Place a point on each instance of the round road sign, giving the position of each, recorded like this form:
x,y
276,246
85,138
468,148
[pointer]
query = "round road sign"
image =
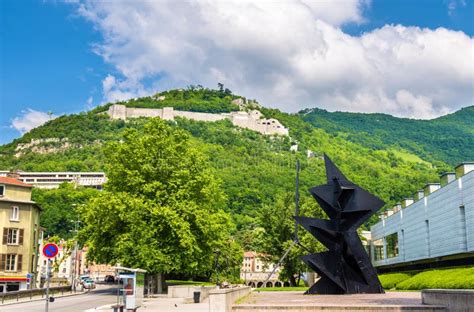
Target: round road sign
x,y
50,250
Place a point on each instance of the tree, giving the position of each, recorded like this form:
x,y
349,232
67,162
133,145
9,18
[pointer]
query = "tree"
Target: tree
x,y
220,86
162,206
278,222
60,208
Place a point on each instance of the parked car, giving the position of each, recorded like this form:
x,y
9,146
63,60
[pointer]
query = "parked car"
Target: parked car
x,y
109,279
84,277
88,283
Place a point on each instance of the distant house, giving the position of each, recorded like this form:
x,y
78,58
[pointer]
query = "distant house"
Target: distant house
x,y
256,270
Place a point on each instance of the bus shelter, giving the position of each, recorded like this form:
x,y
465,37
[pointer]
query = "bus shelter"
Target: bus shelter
x,y
131,287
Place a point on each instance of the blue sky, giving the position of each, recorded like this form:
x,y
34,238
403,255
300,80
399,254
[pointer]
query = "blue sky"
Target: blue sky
x,y
65,58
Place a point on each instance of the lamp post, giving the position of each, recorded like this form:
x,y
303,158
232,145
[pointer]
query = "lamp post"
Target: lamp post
x,y
74,253
217,266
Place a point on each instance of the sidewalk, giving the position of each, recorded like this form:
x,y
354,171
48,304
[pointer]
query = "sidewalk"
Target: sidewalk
x,y
163,304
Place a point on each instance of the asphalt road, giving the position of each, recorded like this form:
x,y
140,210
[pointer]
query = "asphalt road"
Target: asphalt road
x,y
77,303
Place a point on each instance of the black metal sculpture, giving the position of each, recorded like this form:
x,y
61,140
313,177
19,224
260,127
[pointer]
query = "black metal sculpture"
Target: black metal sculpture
x,y
345,268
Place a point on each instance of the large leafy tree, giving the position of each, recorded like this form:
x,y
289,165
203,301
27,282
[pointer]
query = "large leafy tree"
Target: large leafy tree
x,y
162,209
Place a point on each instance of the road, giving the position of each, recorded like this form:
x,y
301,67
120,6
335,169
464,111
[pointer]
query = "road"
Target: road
x,y
77,303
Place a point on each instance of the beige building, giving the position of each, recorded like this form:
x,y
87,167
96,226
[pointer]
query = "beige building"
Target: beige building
x,y
255,271
19,223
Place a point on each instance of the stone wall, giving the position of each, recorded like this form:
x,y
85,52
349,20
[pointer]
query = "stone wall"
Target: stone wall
x,y
221,300
250,120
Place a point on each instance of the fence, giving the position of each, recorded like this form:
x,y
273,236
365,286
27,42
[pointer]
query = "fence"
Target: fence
x,y
30,293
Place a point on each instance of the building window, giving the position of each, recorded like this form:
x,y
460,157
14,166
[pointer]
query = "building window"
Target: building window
x,y
2,190
378,250
392,245
11,263
15,214
12,238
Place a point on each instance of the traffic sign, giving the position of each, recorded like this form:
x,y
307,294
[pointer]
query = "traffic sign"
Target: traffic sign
x,y
50,250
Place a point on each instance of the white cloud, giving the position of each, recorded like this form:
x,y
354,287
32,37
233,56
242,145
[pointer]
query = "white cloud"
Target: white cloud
x,y
115,90
455,4
30,119
288,54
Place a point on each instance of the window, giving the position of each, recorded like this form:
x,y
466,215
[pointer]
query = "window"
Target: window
x,y
392,245
12,238
11,263
378,250
15,214
2,190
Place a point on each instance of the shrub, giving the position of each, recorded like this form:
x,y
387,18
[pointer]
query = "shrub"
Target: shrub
x,y
391,280
460,278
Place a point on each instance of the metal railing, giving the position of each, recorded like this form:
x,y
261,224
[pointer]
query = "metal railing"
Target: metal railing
x,y
30,293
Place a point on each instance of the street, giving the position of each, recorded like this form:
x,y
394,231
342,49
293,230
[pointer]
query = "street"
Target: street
x,y
77,303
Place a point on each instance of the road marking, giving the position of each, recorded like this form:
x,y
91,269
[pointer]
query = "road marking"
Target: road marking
x,y
104,307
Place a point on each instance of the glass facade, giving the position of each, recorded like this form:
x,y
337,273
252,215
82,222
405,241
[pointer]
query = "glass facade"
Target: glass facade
x,y
392,245
378,250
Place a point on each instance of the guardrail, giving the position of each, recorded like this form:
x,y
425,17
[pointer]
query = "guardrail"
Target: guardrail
x,y
30,293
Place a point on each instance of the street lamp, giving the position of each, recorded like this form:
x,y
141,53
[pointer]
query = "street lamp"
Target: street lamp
x,y
74,255
217,266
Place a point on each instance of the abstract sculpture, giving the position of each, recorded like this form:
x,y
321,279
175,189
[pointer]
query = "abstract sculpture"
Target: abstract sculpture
x,y
345,267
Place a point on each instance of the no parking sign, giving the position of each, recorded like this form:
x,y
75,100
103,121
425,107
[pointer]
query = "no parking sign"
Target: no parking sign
x,y
50,250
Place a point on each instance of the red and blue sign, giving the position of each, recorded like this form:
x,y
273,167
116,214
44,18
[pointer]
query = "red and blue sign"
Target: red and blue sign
x,y
50,250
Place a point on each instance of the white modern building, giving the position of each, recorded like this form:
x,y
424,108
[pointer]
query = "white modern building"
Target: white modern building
x,y
50,180
435,228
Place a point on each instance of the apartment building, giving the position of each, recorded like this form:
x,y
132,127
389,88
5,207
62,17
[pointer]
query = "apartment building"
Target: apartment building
x,y
19,224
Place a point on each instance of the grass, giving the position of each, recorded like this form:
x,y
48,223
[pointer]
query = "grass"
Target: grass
x,y
179,283
407,156
456,278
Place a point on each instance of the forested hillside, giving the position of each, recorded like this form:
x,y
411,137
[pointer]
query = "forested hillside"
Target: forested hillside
x,y
256,170
448,138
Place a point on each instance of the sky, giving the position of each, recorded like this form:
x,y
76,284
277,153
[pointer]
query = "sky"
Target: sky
x,y
407,58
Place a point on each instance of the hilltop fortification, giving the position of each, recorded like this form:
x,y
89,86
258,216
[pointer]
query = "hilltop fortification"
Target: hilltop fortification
x,y
252,120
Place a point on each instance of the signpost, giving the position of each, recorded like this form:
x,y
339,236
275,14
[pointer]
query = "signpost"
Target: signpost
x,y
49,251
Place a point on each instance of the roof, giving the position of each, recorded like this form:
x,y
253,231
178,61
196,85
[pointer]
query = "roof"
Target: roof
x,y
465,163
129,269
249,254
13,181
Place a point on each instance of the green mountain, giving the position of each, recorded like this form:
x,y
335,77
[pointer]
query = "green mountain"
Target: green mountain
x,y
448,138
253,168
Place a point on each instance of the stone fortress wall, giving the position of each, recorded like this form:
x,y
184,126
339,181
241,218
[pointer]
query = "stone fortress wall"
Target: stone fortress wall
x,y
250,120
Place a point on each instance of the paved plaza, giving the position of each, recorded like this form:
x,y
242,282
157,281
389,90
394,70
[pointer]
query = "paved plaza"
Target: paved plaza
x,y
288,299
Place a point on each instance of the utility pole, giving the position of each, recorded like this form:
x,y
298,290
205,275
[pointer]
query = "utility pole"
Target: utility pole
x,y
48,277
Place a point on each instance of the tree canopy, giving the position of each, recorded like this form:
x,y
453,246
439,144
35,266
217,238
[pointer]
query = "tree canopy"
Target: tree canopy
x,y
162,209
